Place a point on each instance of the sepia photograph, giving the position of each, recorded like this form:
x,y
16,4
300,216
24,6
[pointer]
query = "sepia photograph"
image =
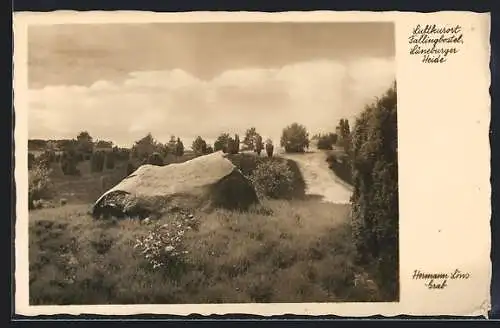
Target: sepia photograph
x,y
212,162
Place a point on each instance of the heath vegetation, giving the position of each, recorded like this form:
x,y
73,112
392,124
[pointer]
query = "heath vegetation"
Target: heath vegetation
x,y
290,247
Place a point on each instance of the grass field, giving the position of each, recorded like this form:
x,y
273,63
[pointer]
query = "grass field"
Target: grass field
x,y
296,250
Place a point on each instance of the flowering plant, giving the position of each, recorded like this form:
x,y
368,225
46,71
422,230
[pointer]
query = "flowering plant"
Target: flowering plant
x,y
163,244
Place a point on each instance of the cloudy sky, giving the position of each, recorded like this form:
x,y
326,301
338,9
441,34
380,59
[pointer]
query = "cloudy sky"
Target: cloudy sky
x,y
120,81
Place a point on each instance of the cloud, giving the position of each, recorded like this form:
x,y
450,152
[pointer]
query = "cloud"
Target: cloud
x,y
316,94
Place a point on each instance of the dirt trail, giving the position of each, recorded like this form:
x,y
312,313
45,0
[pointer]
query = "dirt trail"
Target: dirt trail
x,y
319,179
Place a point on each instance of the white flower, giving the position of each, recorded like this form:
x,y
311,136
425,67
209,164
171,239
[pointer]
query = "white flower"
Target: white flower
x,y
169,248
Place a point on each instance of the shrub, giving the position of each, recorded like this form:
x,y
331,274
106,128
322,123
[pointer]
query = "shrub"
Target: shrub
x,y
273,178
110,161
68,163
179,147
162,245
237,144
233,145
250,139
269,148
97,162
295,138
39,184
222,142
155,159
375,197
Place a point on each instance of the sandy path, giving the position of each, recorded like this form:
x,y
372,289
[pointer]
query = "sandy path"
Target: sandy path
x,y
319,179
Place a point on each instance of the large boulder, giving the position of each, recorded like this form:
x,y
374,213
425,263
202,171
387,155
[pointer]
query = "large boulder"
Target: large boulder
x,y
206,181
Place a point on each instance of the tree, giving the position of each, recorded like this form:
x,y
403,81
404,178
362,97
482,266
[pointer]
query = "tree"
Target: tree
x,y
110,160
346,137
375,206
259,145
250,138
233,145
179,148
130,168
145,147
333,138
155,159
327,141
85,143
269,147
172,144
210,149
199,146
237,143
48,157
222,142
295,138
344,134
31,160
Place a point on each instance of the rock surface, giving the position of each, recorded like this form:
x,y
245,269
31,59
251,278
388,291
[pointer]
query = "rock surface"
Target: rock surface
x,y
210,180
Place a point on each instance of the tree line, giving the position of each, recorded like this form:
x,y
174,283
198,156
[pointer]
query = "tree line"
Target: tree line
x,y
148,150
69,152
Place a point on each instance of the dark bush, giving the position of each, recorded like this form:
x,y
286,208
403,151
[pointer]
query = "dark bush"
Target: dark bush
x,y
68,163
375,197
155,159
110,160
97,161
31,160
326,142
39,184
